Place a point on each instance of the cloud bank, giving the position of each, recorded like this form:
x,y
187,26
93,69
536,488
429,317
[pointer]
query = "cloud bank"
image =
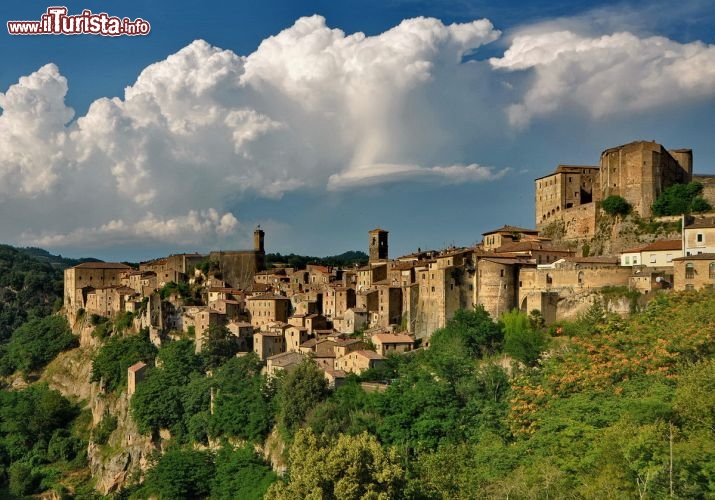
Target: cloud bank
x,y
312,109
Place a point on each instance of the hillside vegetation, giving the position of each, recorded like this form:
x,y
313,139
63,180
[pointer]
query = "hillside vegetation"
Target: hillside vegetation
x,y
602,407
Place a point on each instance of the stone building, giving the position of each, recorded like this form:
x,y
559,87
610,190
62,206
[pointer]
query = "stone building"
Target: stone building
x,y
638,171
80,278
641,170
694,272
567,187
656,254
268,308
699,235
135,374
386,343
492,240
377,245
238,267
358,361
267,344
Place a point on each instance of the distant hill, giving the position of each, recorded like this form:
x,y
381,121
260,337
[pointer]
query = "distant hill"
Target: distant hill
x,y
346,259
31,285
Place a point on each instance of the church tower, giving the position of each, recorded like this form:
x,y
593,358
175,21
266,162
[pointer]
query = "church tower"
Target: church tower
x,y
377,245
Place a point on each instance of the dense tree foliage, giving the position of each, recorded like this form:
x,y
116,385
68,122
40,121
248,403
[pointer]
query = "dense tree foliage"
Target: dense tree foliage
x,y
347,259
243,406
30,288
36,445
35,344
523,339
119,353
299,391
181,475
240,473
616,205
681,199
340,467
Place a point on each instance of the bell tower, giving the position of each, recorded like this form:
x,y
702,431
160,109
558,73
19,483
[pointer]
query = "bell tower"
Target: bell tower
x,y
377,245
258,236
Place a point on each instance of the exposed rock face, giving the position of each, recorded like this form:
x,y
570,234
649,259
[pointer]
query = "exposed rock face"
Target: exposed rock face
x,y
126,451
571,306
126,454
274,451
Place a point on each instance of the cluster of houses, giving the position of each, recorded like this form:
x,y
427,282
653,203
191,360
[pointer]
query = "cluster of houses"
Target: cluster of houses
x,y
349,320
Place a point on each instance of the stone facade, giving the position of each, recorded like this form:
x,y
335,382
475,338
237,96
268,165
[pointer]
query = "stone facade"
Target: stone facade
x,y
699,235
569,186
694,272
641,170
377,245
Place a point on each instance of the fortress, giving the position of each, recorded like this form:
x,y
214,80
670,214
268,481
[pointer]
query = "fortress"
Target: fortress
x,y
638,172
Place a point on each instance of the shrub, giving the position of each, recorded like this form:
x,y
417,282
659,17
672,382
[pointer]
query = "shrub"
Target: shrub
x,y
616,205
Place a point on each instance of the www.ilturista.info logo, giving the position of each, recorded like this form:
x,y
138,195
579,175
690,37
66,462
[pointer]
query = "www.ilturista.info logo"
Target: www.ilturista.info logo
x,y
57,22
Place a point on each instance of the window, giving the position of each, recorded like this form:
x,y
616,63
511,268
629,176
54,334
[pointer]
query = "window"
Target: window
x,y
699,238
628,260
501,273
549,279
635,261
712,270
652,258
689,271
669,257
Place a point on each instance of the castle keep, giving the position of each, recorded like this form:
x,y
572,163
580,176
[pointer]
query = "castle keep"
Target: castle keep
x,y
638,172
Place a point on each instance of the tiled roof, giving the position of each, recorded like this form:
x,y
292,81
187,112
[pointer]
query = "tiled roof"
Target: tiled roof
x,y
393,338
511,229
101,265
700,256
656,246
268,296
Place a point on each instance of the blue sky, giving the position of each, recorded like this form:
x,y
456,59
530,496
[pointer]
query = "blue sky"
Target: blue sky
x,y
323,120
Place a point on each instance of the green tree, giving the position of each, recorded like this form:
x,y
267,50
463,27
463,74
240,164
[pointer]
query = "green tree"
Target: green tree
x,y
521,340
240,473
36,343
119,353
219,345
243,405
299,391
346,468
681,199
616,205
474,329
181,474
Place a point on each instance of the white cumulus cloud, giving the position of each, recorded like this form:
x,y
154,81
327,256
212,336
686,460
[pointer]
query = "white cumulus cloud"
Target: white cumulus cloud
x,y
606,74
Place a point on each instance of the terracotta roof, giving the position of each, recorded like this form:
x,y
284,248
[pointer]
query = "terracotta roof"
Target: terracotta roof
x,y
286,358
519,246
335,373
367,354
701,222
101,265
656,246
700,256
268,296
393,338
137,366
595,260
511,229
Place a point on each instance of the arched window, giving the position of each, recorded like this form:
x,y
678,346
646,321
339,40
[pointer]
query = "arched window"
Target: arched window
x,y
712,270
580,278
689,271
549,279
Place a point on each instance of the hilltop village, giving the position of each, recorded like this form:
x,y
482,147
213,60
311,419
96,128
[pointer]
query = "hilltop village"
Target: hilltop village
x,y
349,320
